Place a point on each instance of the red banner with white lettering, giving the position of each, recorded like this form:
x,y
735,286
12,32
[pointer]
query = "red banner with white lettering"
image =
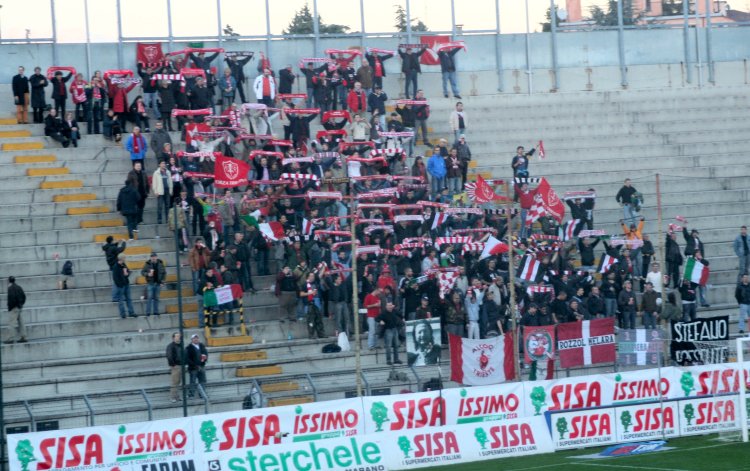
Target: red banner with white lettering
x,y
229,173
586,343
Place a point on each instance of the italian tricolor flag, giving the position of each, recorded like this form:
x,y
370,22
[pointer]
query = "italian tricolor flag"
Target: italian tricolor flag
x,y
222,295
696,271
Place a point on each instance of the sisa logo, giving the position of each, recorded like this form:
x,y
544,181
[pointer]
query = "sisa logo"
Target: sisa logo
x,y
641,389
410,414
576,396
242,432
505,436
429,444
719,382
651,419
590,425
150,442
487,405
715,412
62,452
320,422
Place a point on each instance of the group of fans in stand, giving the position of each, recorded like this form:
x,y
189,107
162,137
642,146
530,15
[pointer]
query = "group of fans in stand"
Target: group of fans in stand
x,y
428,243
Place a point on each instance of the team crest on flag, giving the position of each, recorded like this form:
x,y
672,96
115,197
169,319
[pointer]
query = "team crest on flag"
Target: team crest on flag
x,y
586,343
482,362
231,169
539,343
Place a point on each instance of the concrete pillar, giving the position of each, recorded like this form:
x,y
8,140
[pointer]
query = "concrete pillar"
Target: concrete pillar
x,y
574,10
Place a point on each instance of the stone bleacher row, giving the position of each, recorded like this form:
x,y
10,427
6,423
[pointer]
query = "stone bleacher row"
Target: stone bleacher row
x,y
58,204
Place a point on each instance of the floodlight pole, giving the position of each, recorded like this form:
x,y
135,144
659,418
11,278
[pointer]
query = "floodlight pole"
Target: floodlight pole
x,y
512,280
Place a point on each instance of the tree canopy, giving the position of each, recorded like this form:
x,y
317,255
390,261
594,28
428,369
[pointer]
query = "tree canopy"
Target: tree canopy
x,y
401,21
302,23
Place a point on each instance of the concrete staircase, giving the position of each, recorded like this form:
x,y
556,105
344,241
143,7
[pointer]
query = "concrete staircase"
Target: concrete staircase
x,y
58,204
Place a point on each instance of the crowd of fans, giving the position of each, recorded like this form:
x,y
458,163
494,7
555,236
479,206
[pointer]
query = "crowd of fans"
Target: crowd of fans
x,y
413,219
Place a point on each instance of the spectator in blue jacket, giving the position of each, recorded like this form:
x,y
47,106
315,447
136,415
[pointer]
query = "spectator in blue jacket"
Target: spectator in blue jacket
x,y
136,145
436,169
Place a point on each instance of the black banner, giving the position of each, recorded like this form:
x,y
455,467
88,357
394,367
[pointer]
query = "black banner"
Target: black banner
x,y
702,341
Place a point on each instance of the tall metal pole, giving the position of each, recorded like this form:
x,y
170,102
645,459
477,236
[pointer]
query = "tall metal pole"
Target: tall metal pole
x,y
698,61
54,32
553,30
453,20
179,304
3,441
408,21
88,37
709,55
119,36
355,300
362,26
662,254
512,280
686,41
528,52
220,36
169,23
316,27
621,45
498,49
268,29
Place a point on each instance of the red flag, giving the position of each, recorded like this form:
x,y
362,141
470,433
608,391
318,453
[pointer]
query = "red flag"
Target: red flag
x,y
540,146
586,342
481,192
493,247
149,55
480,362
539,343
229,172
430,57
552,204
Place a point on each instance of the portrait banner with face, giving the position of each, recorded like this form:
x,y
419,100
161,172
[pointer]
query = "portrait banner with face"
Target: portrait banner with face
x,y
423,342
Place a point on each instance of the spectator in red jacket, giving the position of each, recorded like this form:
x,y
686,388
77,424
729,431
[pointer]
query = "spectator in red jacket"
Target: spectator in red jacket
x,y
526,199
357,99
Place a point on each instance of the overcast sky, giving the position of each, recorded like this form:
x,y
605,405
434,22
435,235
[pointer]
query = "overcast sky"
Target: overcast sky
x,y
143,18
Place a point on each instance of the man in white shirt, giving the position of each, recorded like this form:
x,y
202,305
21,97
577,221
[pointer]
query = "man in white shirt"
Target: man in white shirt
x,y
655,278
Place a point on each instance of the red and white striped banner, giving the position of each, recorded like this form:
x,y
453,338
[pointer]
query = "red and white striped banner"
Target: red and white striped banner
x,y
326,195
407,207
408,218
297,160
411,102
291,96
463,211
385,193
375,205
475,230
452,240
591,233
379,227
368,249
299,176
473,247
375,50
410,245
334,233
201,112
396,134
302,111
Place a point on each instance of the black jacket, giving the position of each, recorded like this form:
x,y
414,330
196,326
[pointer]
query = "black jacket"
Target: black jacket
x,y
111,251
391,319
127,200
672,250
625,195
20,86
38,82
408,118
174,354
382,57
286,79
59,90
121,275
690,244
236,66
16,297
447,64
410,62
160,273
52,125
199,98
193,356
742,294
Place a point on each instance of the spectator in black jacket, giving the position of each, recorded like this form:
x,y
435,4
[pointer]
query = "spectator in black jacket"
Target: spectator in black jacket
x,y
391,321
174,360
448,70
692,242
376,61
422,114
586,249
742,295
53,127
112,249
196,356
121,279
595,303
149,90
236,65
20,85
588,205
610,290
59,91
376,101
338,299
38,103
411,68
673,257
199,97
627,303
688,297
625,198
127,204
286,79
16,300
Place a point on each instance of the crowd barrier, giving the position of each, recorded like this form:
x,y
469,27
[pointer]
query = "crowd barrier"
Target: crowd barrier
x,y
411,430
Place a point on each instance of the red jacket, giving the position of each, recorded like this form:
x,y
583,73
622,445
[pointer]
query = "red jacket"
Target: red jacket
x,y
526,199
357,102
120,98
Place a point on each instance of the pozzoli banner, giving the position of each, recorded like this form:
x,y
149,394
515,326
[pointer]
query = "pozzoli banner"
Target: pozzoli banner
x,y
217,438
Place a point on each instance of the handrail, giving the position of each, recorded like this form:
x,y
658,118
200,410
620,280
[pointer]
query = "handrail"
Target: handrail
x,y
92,414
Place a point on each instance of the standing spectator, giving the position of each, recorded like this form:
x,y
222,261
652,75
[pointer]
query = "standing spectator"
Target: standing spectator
x,y
16,300
627,303
458,121
59,93
742,250
673,258
408,121
78,96
70,128
656,279
202,62
265,88
742,295
391,322
338,299
53,127
228,86
359,129
448,70
136,145
161,186
376,61
693,243
595,304
437,171
95,94
356,100
139,114
121,279
376,102
625,198
174,360
168,102
455,315
310,294
473,301
372,304
520,163
199,96
199,257
149,88
38,103
364,76
118,94
159,137
649,307
156,275
310,73
688,297
411,68
140,182
647,252
609,289
635,234
127,204
196,356
20,87
422,114
464,153
286,79
454,169
112,249
286,290
236,65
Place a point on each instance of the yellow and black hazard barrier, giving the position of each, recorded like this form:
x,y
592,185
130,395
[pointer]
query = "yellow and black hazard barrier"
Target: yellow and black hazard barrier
x,y
207,313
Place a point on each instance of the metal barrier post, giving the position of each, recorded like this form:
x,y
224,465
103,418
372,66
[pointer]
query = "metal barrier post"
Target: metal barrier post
x,y
367,384
31,415
243,329
262,396
408,22
529,80
268,29
312,386
148,405
416,375
92,414
203,394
